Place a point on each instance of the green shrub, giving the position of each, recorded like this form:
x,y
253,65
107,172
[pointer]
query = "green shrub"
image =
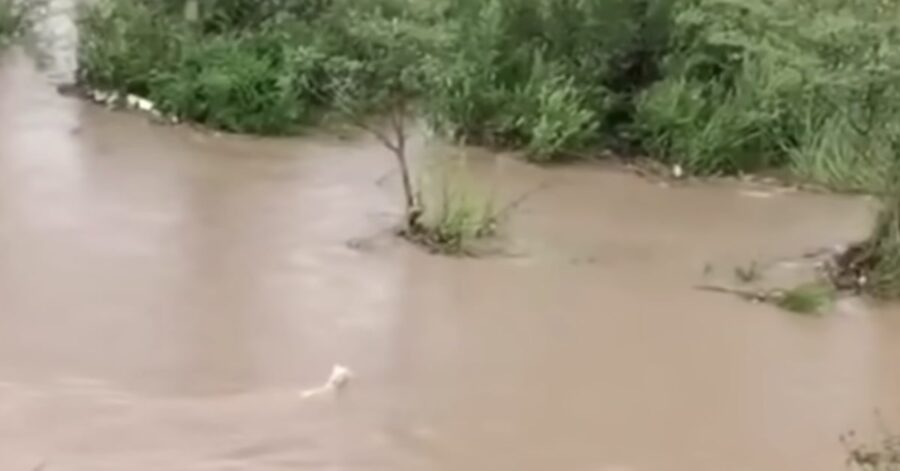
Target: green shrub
x,y
375,59
239,84
284,64
763,83
125,44
12,20
542,74
718,86
228,16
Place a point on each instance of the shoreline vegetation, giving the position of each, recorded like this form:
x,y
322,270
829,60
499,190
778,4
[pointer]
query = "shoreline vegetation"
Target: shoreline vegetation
x,y
13,21
808,89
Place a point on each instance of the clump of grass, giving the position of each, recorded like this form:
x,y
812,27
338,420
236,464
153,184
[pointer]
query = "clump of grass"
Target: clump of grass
x,y
834,154
873,265
808,298
458,216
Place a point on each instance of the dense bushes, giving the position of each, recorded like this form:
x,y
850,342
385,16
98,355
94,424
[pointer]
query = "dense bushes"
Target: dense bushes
x,y
538,74
127,44
520,74
811,85
718,86
267,76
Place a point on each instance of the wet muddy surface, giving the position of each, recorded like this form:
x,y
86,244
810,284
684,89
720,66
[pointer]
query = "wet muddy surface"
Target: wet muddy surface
x,y
166,293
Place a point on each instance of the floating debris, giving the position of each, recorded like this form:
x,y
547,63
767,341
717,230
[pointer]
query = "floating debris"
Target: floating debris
x,y
138,103
808,298
756,194
340,377
103,97
112,99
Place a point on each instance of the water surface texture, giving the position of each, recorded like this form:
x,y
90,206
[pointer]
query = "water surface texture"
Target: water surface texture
x,y
165,294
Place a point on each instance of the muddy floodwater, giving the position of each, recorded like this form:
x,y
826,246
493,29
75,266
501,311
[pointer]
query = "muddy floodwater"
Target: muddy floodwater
x,y
166,293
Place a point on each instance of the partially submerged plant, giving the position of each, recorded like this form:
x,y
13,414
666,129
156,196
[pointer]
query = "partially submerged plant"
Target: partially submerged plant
x,y
807,298
873,265
457,213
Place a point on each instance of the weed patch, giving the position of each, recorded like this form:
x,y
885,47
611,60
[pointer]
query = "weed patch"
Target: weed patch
x,y
458,215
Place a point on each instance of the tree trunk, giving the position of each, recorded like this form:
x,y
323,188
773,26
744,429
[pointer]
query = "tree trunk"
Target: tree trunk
x,y
413,211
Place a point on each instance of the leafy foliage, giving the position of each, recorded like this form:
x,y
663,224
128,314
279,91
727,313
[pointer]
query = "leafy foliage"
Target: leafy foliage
x,y
809,84
13,18
125,44
541,74
718,86
236,83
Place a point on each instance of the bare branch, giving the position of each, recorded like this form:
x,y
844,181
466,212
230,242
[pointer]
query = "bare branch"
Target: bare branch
x,y
521,199
379,134
398,116
382,179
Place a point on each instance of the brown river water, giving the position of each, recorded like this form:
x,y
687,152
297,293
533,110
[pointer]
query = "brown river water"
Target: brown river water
x,y
166,293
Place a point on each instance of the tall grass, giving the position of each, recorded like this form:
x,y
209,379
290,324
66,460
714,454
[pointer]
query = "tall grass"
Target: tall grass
x,y
459,213
546,75
811,85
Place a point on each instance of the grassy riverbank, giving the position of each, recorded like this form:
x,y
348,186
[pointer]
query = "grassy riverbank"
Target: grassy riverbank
x,y
810,88
716,86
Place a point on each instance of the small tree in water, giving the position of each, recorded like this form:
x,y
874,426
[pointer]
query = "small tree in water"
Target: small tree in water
x,y
385,82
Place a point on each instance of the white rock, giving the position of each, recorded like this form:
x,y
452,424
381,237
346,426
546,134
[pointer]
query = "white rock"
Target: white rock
x,y
677,171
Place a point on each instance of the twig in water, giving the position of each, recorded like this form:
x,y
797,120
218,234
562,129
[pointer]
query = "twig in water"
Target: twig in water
x,y
380,181
759,296
520,200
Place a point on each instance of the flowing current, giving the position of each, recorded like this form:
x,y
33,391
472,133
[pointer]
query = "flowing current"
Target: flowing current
x,y
166,293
